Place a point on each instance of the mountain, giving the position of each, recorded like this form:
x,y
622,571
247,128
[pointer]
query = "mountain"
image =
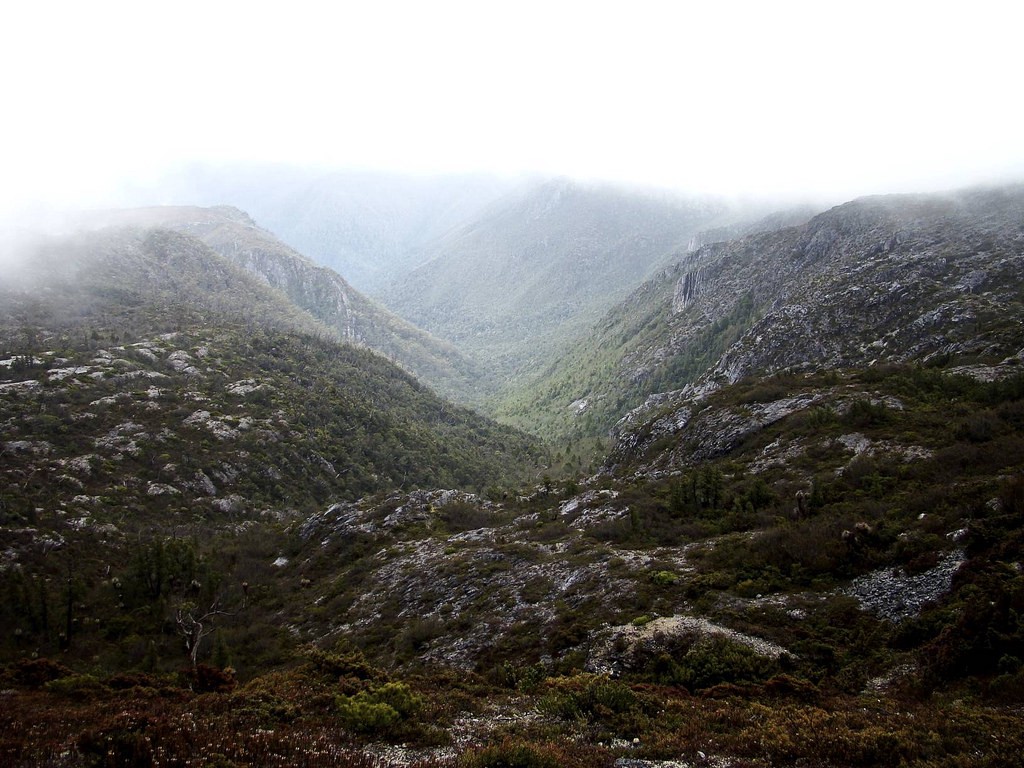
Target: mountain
x,y
369,227
127,282
933,279
317,290
142,359
229,539
535,270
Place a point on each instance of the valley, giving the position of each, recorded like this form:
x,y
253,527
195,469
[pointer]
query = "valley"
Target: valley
x,y
737,488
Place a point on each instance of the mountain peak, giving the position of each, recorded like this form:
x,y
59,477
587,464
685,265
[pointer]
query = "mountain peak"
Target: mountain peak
x,y
232,213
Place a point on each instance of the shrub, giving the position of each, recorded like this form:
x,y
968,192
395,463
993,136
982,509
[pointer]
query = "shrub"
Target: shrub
x,y
1009,686
865,413
34,673
459,516
340,664
418,634
789,687
399,697
1011,496
978,428
793,734
590,697
522,678
711,661
664,578
513,753
361,714
127,680
378,709
765,392
206,679
81,687
123,744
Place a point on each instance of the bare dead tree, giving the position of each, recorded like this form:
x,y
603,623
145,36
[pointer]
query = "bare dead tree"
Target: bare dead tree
x,y
195,624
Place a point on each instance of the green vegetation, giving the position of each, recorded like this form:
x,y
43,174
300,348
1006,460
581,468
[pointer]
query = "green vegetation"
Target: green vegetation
x,y
938,454
597,369
286,719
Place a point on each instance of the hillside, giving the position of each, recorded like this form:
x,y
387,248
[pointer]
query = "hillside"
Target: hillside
x,y
824,586
111,337
737,517
534,271
125,282
902,278
319,291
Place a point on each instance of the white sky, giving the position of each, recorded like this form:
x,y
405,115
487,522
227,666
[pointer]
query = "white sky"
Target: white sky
x,y
818,98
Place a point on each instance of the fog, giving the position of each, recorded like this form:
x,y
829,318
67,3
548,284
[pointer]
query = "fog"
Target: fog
x,y
105,100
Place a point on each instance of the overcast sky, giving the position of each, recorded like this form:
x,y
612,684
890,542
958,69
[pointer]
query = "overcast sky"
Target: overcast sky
x,y
822,98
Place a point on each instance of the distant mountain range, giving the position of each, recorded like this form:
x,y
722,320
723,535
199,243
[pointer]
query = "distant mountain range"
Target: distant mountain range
x,y
558,306
507,270
536,270
928,278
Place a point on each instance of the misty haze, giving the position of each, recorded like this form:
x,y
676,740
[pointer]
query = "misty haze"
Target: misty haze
x,y
545,385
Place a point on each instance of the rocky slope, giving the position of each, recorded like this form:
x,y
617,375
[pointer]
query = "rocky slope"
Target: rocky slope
x,y
829,545
934,279
234,420
145,342
929,278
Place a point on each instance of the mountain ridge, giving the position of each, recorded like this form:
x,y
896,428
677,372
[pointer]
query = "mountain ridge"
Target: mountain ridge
x,y
315,289
366,226
841,290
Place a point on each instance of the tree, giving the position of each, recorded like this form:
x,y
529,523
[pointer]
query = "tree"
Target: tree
x,y
194,624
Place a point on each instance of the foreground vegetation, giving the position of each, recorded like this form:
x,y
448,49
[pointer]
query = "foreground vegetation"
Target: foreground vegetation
x,y
332,709
356,637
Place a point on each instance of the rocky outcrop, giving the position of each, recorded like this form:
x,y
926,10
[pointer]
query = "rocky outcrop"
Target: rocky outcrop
x,y
688,288
485,579
711,433
617,647
895,595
